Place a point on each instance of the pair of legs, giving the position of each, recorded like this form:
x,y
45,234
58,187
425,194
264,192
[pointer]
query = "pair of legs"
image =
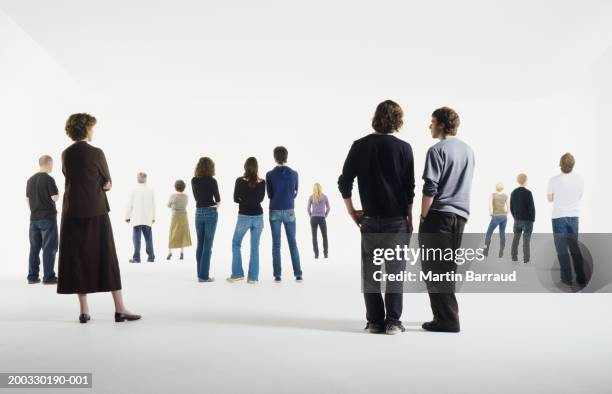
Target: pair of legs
x,y
244,224
375,234
441,230
522,228
206,225
315,223
117,299
285,217
565,233
137,234
501,221
43,235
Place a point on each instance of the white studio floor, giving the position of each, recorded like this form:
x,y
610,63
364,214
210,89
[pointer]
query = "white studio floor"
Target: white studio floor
x,y
302,338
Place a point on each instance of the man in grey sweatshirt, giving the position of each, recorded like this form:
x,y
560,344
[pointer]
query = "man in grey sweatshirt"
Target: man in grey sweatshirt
x,y
445,208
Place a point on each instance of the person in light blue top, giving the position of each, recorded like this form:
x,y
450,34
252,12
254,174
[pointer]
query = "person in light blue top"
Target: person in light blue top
x,y
282,187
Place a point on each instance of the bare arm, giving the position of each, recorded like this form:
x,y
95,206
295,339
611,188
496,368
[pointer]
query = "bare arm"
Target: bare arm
x,y
550,197
425,205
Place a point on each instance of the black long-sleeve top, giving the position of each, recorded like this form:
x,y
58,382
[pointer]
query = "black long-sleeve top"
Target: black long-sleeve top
x,y
521,205
384,167
249,198
205,191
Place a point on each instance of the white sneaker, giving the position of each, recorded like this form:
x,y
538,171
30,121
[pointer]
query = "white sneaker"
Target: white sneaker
x,y
234,280
252,282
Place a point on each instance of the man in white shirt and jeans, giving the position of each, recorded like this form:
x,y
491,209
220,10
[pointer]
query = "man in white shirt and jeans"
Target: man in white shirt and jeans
x,y
141,214
565,192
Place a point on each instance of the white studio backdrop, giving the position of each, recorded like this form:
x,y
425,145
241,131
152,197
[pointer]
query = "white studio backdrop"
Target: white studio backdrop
x,y
170,82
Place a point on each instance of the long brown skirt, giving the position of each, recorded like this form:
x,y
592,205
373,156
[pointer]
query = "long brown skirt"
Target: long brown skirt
x,y
179,231
87,256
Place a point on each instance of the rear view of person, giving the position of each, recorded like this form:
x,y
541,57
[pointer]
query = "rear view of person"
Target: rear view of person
x,y
249,192
384,167
523,212
141,215
318,209
282,185
498,210
180,237
41,194
206,193
565,192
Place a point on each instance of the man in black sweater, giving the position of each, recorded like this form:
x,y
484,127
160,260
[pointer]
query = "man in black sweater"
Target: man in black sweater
x,y
384,167
523,212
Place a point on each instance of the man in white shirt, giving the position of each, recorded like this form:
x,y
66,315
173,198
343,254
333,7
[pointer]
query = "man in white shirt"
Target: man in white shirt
x,y
141,215
565,192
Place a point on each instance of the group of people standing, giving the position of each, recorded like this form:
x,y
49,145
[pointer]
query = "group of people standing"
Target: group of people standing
x,y
384,168
88,260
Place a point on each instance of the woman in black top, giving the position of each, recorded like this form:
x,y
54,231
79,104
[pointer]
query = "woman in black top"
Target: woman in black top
x,y
249,192
87,257
206,193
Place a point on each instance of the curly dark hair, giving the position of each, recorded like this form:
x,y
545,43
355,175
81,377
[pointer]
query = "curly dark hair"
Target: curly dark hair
x,y
179,186
205,167
77,125
448,118
388,117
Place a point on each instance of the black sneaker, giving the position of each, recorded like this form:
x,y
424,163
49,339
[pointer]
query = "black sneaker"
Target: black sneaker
x,y
33,281
299,279
277,279
437,327
50,281
374,328
134,261
394,328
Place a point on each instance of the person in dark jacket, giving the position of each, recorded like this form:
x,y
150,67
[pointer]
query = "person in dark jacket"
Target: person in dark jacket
x,y
282,185
87,256
384,167
523,212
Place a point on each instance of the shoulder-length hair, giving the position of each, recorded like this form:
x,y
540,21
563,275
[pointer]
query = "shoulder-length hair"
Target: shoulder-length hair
x,y
205,167
317,192
251,171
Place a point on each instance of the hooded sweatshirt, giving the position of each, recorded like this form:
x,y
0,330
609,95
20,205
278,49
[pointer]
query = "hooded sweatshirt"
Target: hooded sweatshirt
x,y
282,185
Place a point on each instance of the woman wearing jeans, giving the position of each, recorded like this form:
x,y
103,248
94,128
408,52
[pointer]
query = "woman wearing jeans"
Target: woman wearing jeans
x,y
206,194
318,209
498,209
249,192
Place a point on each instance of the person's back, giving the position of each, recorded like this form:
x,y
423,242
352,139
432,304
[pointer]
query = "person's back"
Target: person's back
x,y
384,167
86,171
143,206
567,189
499,204
40,187
448,176
282,183
521,204
178,202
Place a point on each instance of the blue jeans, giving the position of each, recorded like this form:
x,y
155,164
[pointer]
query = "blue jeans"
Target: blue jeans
x,y
148,236
565,234
501,221
43,235
244,224
287,218
206,225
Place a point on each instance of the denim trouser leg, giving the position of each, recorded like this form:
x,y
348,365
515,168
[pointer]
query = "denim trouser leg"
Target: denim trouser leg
x,y
275,227
49,247
208,220
136,239
148,236
561,235
314,224
256,230
199,225
242,226
35,246
290,231
490,229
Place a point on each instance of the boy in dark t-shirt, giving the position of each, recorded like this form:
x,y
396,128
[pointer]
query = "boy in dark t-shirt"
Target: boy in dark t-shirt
x,y
41,194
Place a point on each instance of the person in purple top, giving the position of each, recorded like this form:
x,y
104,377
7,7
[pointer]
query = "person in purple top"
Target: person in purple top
x,y
318,209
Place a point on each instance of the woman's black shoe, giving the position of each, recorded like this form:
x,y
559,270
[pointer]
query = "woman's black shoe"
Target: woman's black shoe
x,y
181,258
169,256
84,318
119,317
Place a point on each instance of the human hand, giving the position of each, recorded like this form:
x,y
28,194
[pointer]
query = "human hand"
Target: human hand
x,y
127,220
357,216
107,186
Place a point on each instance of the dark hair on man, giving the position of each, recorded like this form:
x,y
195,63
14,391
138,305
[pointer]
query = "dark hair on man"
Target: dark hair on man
x,y
388,117
280,154
77,125
44,160
205,167
448,118
567,163
179,186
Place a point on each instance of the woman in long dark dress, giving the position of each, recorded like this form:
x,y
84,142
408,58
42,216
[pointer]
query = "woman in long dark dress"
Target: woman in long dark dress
x,y
87,257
